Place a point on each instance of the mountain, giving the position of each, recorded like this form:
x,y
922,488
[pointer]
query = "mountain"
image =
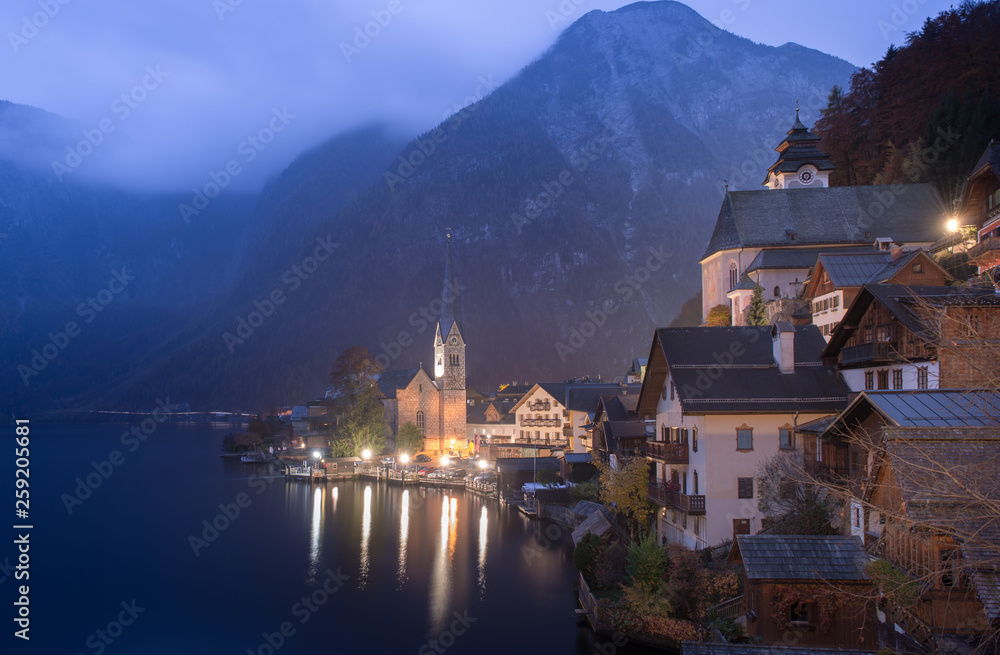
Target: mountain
x,y
580,194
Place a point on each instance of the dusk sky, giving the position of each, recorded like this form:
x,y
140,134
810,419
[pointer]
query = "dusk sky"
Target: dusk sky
x,y
216,72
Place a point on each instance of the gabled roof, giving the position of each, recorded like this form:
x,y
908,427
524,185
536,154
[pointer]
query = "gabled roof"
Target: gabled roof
x,y
905,304
709,378
391,381
801,557
476,414
827,216
584,397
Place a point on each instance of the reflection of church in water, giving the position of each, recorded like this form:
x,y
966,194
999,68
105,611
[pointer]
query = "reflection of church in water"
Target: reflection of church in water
x,y
436,405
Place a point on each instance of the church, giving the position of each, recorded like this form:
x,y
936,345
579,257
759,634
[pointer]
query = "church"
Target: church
x,y
774,236
436,405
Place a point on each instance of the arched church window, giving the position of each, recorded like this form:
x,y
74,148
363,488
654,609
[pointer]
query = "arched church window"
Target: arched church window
x,y
421,425
732,276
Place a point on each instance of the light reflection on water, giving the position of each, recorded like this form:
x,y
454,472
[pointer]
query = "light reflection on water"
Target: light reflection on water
x,y
366,533
315,534
483,522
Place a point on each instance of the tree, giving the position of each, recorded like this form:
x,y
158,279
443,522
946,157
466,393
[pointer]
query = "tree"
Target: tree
x,y
624,490
719,316
646,563
409,440
354,371
363,427
548,477
757,309
790,503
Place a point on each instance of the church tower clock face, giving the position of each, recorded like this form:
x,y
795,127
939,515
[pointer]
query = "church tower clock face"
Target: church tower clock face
x,y
806,176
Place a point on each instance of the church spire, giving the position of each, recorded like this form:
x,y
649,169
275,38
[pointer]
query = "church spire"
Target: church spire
x,y
449,292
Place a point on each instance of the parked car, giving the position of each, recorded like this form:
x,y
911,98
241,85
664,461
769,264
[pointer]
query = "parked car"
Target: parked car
x,y
424,470
486,478
438,474
423,459
456,473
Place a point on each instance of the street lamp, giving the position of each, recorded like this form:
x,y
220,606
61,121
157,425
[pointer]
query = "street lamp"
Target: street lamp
x,y
404,458
445,461
366,454
315,454
953,225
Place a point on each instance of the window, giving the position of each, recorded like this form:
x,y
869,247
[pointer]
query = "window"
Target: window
x,y
454,359
741,526
671,390
777,292
785,440
883,379
836,302
733,273
683,435
744,439
695,480
745,487
869,380
420,423
918,269
897,378
663,433
798,613
922,377
694,440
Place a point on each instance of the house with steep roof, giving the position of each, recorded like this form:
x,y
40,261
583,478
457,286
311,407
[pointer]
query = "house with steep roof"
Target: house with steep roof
x,y
891,337
724,401
936,491
837,279
617,431
557,413
843,453
981,207
799,211
490,421
806,590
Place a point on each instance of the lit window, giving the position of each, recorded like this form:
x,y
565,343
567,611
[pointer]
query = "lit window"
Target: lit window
x,y
420,423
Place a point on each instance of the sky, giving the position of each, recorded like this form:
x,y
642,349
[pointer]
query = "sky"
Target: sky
x,y
170,91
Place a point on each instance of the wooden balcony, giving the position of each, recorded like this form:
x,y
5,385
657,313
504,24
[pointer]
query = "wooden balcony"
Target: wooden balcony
x,y
668,453
540,422
870,353
986,250
664,497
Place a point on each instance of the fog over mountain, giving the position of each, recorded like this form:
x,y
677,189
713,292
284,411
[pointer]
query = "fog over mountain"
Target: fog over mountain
x,y
580,194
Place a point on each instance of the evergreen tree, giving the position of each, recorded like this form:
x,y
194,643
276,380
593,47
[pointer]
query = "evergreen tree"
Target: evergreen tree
x,y
757,309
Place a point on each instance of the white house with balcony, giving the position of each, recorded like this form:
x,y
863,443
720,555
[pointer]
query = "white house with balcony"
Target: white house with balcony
x,y
725,400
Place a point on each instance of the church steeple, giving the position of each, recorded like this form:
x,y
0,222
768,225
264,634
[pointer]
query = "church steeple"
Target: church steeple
x,y
449,344
800,161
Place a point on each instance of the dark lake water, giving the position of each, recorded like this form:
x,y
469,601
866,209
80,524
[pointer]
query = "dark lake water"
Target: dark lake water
x,y
344,567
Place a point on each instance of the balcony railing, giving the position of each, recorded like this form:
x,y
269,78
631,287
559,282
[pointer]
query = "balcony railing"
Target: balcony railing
x,y
543,406
879,351
668,453
567,431
664,497
541,422
990,245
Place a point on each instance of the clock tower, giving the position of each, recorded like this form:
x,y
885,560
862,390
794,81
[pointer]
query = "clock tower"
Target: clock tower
x,y
449,364
801,164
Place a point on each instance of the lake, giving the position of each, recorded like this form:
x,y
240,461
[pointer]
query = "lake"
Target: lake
x,y
176,550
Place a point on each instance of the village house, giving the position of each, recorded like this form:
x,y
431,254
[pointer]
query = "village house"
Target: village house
x,y
490,421
934,497
837,279
556,414
724,401
981,208
843,454
891,337
617,431
799,216
806,590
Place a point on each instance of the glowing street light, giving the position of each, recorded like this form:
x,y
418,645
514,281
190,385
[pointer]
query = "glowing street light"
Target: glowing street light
x,y
404,458
483,464
366,454
953,225
445,461
315,454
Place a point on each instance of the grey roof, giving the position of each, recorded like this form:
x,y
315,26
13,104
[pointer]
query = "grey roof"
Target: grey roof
x,y
747,283
598,522
792,258
584,397
577,458
751,382
802,557
817,426
935,408
853,270
390,381
510,464
827,215
476,414
708,648
990,157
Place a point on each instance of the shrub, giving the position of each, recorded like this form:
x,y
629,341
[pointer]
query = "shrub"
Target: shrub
x,y
585,556
610,567
647,562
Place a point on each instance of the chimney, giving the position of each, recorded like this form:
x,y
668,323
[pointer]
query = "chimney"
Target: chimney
x,y
783,344
895,252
